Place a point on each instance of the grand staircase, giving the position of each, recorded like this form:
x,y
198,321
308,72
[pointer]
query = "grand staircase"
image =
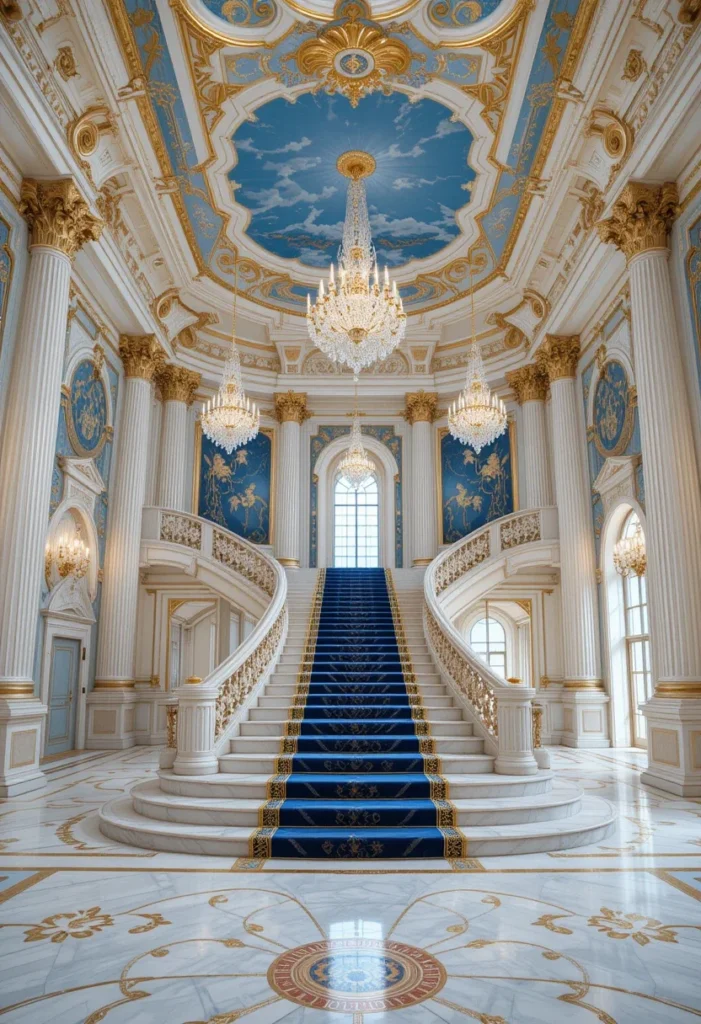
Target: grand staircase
x,y
356,750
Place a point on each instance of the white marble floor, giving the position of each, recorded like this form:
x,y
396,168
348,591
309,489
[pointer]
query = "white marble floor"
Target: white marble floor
x,y
92,931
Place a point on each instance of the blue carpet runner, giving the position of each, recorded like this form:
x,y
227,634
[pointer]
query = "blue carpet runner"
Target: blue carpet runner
x,y
357,775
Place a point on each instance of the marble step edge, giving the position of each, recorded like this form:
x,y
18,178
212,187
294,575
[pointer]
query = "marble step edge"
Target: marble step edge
x,y
271,744
276,727
119,821
457,764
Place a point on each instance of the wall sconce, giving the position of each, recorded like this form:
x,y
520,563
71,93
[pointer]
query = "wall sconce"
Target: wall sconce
x,y
630,556
70,556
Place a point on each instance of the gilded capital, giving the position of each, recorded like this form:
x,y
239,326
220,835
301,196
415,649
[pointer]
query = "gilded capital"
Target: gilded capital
x,y
291,407
141,355
641,218
421,407
177,383
558,356
58,215
529,384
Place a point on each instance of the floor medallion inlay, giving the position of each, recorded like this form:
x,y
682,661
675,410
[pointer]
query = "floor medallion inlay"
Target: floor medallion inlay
x,y
356,975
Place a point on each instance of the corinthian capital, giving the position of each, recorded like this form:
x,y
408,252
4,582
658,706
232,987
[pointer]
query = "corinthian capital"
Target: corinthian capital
x,y
141,355
421,407
58,215
177,383
291,407
529,384
558,356
641,218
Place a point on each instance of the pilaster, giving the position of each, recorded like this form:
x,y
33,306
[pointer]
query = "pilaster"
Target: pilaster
x,y
530,385
291,411
420,411
177,385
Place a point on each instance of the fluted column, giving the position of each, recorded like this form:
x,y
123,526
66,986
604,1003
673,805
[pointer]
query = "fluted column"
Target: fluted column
x,y
291,412
420,412
583,690
142,357
60,224
177,385
530,385
639,226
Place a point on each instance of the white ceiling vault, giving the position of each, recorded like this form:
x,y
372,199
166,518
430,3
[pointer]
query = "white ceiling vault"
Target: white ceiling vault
x,y
207,132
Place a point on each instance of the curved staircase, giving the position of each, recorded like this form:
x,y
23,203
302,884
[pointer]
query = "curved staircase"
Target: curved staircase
x,y
357,749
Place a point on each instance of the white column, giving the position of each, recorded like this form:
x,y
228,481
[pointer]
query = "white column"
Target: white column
x,y
530,385
60,225
639,226
177,386
114,681
515,756
583,695
197,711
291,411
420,411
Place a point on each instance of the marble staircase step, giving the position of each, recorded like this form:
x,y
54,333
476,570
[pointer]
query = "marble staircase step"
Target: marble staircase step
x,y
279,711
252,764
276,727
272,744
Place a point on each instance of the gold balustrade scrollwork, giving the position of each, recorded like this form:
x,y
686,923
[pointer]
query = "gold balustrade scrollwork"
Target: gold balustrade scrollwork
x,y
181,529
520,529
305,670
244,560
537,712
478,692
404,650
172,726
465,557
237,687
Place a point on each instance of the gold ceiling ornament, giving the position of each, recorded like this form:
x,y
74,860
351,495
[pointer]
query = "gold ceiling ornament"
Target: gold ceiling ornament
x,y
421,407
689,11
141,355
641,218
592,201
177,383
529,384
291,407
634,67
355,57
514,336
64,62
11,10
58,215
558,356
617,135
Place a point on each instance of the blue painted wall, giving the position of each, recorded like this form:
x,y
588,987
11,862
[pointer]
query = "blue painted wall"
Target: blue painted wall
x,y
235,490
474,489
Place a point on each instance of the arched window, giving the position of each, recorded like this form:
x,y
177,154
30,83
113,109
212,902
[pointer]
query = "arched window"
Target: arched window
x,y
637,640
356,525
488,639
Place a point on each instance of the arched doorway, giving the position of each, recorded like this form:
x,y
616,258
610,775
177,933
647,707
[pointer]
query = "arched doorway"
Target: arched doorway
x,y
356,525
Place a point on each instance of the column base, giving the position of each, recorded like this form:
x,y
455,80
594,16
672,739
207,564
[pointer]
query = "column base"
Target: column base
x,y
111,717
21,724
674,745
289,563
421,563
585,717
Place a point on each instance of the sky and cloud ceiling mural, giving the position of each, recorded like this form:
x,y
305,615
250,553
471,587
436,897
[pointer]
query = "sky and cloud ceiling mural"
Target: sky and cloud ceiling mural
x,y
287,178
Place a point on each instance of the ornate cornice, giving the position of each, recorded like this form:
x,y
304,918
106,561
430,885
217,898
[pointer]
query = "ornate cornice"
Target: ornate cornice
x,y
557,358
421,407
641,218
291,407
58,215
141,355
529,384
177,383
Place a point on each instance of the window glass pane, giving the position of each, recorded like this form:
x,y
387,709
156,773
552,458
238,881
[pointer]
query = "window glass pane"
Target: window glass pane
x,y
356,525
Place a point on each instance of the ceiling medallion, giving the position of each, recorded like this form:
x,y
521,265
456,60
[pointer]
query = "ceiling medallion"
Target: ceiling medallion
x,y
356,321
353,56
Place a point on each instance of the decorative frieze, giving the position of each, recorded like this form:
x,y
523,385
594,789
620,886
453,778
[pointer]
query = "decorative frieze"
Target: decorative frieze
x,y
177,383
558,356
58,215
141,355
529,384
641,219
291,407
421,407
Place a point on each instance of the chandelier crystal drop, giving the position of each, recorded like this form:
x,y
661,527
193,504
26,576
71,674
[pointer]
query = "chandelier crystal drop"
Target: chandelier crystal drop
x,y
477,417
229,419
357,319
630,555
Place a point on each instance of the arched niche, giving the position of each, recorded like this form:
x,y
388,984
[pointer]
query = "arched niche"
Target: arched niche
x,y
387,473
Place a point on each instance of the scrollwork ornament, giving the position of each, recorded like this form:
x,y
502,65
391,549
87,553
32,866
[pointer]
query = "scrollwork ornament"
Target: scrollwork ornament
x,y
529,384
558,356
523,529
141,355
421,407
180,529
641,218
291,407
470,553
58,215
177,383
689,12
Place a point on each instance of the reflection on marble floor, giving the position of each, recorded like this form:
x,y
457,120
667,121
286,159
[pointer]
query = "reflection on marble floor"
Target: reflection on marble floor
x,y
91,931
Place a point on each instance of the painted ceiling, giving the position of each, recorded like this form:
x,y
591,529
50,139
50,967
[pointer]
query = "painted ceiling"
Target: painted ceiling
x,y
274,197
286,175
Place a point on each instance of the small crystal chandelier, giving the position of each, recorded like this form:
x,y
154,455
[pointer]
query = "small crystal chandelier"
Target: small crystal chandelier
x,y
356,320
355,466
230,419
71,556
477,417
630,556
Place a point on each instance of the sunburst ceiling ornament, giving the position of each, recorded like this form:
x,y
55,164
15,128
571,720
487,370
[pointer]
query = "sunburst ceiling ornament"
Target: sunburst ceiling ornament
x,y
353,56
357,321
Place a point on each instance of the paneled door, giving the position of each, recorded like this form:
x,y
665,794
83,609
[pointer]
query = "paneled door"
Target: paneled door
x,y
63,694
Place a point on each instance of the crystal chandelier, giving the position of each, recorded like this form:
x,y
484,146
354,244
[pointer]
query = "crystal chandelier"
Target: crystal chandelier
x,y
630,556
355,466
356,320
230,419
477,417
71,556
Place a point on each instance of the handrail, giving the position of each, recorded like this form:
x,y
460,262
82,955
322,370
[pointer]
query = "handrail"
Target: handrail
x,y
226,688
493,700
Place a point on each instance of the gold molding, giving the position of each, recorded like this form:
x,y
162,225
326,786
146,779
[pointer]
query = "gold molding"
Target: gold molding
x,y
583,684
677,690
16,691
641,218
114,684
58,215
